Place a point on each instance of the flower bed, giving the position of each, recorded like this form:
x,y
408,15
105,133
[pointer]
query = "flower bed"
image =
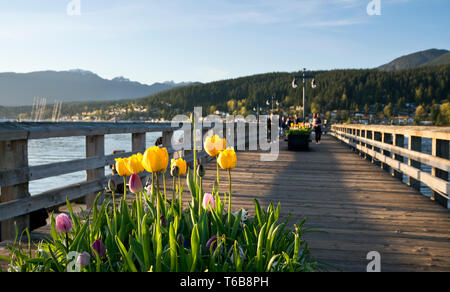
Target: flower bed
x,y
154,233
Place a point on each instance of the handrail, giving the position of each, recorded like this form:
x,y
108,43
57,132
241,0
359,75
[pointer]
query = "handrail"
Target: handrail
x,y
391,152
10,131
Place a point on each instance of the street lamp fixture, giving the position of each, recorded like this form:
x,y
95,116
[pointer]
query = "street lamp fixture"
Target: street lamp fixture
x,y
304,77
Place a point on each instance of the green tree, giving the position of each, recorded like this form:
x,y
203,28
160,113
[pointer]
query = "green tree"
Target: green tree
x,y
388,111
421,113
366,109
231,105
435,112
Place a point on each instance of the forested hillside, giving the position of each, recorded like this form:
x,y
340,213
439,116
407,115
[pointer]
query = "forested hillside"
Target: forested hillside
x,y
337,89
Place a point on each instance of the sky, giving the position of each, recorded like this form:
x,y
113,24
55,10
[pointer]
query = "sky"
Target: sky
x,y
207,40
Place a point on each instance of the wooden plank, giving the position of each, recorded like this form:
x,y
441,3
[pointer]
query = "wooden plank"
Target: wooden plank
x,y
26,130
32,173
53,197
13,131
14,154
418,131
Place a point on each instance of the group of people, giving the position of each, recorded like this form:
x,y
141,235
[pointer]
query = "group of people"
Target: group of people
x,y
286,122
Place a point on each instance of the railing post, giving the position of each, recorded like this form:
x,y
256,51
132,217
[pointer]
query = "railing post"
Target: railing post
x,y
138,142
369,135
386,139
415,143
188,136
364,135
14,154
440,148
399,141
95,147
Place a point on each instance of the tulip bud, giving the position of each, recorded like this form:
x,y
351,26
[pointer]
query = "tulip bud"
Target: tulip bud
x,y
208,200
99,247
112,186
175,171
135,184
212,242
163,221
201,170
83,260
63,223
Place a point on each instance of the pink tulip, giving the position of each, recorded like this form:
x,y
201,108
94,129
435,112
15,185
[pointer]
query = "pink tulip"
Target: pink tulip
x,y
208,199
135,184
99,247
63,223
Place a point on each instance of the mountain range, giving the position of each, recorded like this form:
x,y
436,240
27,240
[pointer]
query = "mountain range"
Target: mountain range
x,y
433,57
17,89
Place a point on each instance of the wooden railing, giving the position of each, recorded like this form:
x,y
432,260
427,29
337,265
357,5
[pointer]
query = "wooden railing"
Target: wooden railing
x,y
16,203
387,145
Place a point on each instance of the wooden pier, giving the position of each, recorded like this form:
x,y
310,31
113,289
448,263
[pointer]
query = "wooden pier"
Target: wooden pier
x,y
348,187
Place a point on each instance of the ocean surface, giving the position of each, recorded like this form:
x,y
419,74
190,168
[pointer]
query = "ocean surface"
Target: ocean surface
x,y
46,151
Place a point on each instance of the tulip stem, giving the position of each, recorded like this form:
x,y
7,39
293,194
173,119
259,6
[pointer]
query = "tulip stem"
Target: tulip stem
x,y
125,188
67,241
165,193
158,209
229,202
153,188
158,226
194,138
114,207
173,192
200,198
180,197
218,173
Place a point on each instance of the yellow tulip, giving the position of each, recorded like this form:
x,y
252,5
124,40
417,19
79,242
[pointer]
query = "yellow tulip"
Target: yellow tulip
x,y
122,167
135,163
214,145
155,159
181,164
227,159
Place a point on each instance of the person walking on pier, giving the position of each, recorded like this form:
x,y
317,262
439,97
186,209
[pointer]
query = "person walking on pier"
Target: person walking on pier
x,y
317,125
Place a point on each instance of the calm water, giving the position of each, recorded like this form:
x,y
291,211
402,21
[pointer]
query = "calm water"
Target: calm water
x,y
53,150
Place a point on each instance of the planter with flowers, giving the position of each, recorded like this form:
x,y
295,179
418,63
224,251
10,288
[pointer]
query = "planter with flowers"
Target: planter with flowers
x,y
155,233
299,137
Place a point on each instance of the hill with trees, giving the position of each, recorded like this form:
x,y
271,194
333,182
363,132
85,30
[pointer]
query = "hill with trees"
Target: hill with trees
x,y
337,90
431,57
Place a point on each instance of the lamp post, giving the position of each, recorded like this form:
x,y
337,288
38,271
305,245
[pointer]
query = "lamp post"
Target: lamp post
x,y
271,102
304,77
